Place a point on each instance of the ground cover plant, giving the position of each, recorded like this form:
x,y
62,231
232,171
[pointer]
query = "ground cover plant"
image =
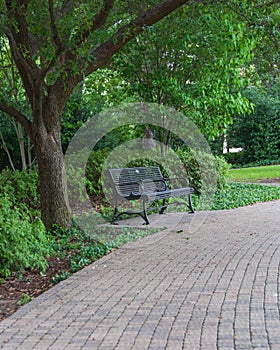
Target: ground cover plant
x,y
239,194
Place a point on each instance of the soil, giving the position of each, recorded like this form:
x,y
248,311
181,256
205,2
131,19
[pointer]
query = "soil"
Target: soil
x,y
14,290
271,181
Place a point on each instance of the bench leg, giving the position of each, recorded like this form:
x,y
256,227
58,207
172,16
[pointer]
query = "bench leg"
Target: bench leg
x,y
190,204
163,207
115,215
145,216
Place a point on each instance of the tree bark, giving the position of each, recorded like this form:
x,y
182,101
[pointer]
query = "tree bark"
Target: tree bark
x,y
20,135
55,207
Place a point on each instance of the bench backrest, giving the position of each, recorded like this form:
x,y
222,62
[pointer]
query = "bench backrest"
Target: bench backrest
x,y
132,182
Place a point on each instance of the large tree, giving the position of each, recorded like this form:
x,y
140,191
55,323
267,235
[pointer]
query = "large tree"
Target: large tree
x,y
54,45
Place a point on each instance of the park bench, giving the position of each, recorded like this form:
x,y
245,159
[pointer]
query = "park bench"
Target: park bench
x,y
148,186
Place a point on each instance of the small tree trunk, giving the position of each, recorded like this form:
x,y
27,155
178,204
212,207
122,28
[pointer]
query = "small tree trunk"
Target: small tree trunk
x,y
7,151
20,134
53,190
29,152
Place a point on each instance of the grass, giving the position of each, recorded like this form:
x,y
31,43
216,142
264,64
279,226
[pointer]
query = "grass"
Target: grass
x,y
255,174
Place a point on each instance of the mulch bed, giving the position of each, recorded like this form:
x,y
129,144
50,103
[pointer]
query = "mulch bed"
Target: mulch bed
x,y
31,283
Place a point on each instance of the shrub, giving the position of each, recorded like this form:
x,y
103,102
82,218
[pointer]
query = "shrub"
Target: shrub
x,y
21,187
94,169
204,168
23,243
235,158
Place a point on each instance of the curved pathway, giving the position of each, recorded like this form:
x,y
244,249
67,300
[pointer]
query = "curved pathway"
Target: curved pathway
x,y
214,288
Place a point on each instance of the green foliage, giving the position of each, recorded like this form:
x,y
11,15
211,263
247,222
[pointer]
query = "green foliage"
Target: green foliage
x,y
79,247
238,195
94,169
196,68
25,298
23,243
257,133
101,90
21,187
13,93
73,117
235,158
202,168
58,277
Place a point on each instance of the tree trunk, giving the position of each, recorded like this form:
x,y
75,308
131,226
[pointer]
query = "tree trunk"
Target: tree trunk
x,y
7,151
20,135
29,152
53,190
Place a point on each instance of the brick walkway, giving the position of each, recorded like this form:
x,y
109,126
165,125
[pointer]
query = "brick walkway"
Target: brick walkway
x,y
215,288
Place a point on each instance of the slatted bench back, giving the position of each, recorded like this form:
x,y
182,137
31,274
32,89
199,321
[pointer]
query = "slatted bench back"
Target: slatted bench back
x,y
132,182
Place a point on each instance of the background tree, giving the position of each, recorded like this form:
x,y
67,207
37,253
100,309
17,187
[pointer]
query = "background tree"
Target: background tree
x,y
262,24
14,142
258,133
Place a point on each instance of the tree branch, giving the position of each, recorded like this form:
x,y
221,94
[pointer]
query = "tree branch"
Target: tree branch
x,y
21,118
125,34
20,43
97,21
102,53
56,38
67,7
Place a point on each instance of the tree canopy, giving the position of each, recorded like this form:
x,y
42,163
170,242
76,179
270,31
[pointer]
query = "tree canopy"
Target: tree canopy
x,y
199,67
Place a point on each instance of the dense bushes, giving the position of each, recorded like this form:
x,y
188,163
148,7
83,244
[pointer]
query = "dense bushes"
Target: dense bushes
x,y
21,187
23,240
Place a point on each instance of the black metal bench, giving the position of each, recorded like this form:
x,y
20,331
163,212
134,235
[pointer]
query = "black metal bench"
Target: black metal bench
x,y
147,185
